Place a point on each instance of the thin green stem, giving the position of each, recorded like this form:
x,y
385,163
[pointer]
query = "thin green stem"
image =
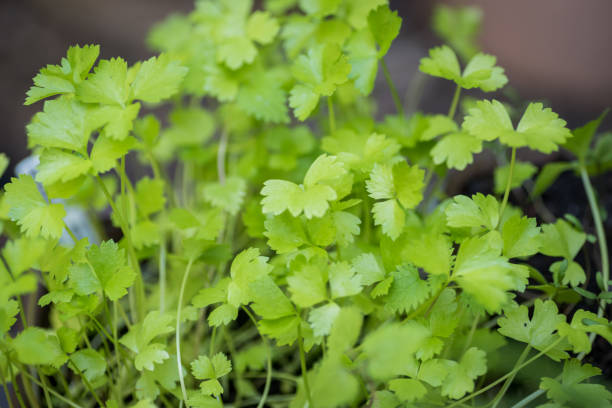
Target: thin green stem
x,y
303,366
601,237
221,156
69,231
5,387
86,382
264,395
331,114
45,387
138,284
508,382
454,103
528,399
213,339
394,94
13,379
162,275
508,183
178,330
55,393
470,336
511,373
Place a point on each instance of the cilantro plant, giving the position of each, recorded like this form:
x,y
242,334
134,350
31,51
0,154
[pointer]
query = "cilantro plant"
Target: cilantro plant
x,y
269,240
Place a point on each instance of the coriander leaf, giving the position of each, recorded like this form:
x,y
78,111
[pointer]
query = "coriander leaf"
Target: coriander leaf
x,y
320,8
584,322
269,301
572,392
483,273
222,315
322,318
308,285
480,212
157,78
358,12
548,175
385,26
561,239
263,97
285,233
59,165
521,236
407,389
117,121
283,330
108,84
407,291
480,72
150,355
62,124
438,125
343,280
539,331
461,376
37,347
247,267
539,128
580,143
347,227
228,196
363,58
106,151
390,216
89,362
262,27
456,150
367,268
317,73
432,252
236,51
205,368
459,27
29,209
401,181
345,329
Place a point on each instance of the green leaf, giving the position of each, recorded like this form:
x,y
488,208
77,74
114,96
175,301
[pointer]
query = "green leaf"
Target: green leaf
x,y
285,233
561,239
539,128
363,58
385,26
150,355
157,78
89,362
269,301
262,27
150,195
343,280
407,389
572,392
108,84
263,97
223,315
539,331
307,285
28,208
458,26
62,124
460,377
456,150
583,136
59,165
345,329
368,269
480,72
401,181
4,162
117,121
390,216
584,322
407,291
228,196
55,79
247,267
484,274
37,347
322,318
317,73
521,237
479,212
283,330
106,151
205,368
432,252
522,172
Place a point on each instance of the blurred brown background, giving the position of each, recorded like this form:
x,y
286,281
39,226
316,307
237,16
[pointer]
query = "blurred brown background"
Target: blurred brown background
x,y
558,51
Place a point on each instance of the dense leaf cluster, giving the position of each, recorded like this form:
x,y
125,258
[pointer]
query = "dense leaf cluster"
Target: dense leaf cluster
x,y
262,260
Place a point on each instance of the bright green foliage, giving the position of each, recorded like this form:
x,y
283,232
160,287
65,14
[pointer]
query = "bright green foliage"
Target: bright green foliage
x,y
539,128
104,269
400,184
571,391
539,331
216,233
480,72
521,172
210,370
35,346
61,79
30,210
312,198
479,212
318,74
